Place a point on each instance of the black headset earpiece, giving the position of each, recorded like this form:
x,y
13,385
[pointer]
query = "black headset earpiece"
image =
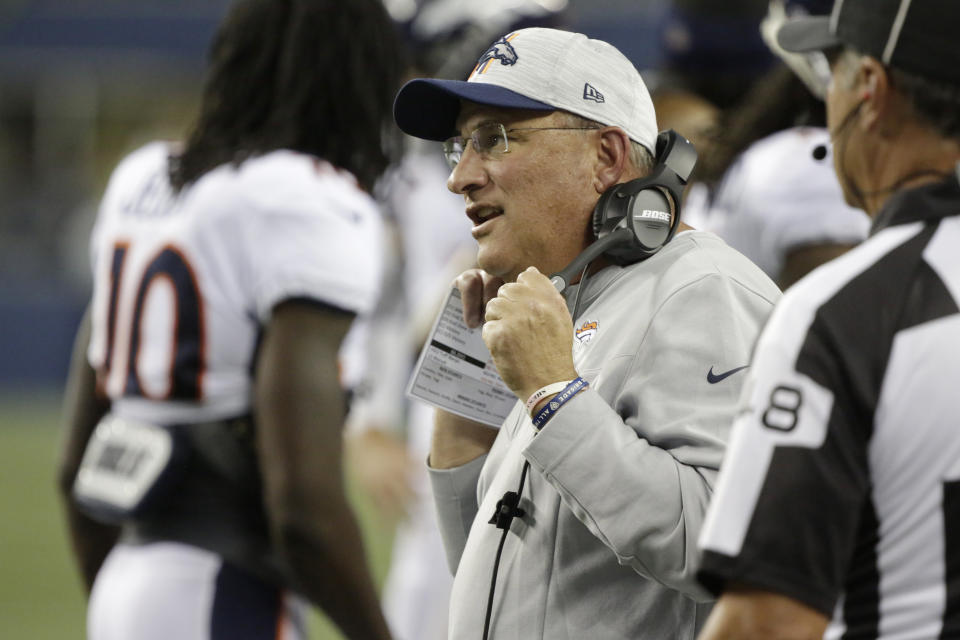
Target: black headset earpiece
x,y
642,208
633,220
648,206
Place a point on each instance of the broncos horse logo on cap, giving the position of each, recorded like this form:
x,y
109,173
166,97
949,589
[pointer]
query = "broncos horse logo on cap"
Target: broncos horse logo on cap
x,y
500,50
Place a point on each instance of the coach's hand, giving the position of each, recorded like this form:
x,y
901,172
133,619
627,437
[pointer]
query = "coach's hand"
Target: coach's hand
x,y
530,334
477,288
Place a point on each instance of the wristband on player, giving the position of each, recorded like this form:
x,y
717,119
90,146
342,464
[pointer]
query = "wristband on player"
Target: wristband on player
x,y
543,392
576,386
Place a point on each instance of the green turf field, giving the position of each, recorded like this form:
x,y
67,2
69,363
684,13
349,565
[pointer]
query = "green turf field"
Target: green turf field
x,y
40,593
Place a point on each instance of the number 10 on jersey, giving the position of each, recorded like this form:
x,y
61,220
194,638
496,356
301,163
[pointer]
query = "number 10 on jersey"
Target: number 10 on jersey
x,y
154,339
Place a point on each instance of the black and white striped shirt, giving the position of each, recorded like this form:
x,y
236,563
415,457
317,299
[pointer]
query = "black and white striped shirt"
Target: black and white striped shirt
x,y
841,485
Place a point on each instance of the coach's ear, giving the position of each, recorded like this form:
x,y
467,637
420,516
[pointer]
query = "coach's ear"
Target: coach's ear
x,y
612,160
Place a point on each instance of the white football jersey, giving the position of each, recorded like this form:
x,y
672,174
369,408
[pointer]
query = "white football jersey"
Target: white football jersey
x,y
185,282
432,245
776,198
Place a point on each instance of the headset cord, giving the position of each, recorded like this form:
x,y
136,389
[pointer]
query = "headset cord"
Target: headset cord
x,y
507,510
508,506
576,297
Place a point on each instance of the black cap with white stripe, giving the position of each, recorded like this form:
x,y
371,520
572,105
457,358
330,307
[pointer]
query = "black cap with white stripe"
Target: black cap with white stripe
x,y
915,36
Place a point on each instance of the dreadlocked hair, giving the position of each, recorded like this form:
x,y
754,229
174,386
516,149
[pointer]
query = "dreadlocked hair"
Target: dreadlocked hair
x,y
313,76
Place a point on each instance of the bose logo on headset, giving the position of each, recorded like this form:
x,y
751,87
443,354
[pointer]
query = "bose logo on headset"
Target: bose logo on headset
x,y
649,214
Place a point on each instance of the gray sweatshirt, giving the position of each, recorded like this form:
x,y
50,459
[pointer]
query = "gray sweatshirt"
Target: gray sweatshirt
x,y
621,476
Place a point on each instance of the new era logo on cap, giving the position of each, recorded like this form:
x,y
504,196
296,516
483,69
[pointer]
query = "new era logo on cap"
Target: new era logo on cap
x,y
590,93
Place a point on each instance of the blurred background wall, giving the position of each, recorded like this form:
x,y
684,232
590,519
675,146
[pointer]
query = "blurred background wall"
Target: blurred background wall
x,y
82,83
85,81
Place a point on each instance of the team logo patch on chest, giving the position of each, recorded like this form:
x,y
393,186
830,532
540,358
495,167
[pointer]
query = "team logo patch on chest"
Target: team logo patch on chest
x,y
586,331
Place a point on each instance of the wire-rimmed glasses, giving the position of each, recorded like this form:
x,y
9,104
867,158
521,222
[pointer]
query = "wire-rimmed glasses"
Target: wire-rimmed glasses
x,y
489,139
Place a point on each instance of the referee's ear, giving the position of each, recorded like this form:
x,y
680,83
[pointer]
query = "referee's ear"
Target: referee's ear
x,y
612,165
883,109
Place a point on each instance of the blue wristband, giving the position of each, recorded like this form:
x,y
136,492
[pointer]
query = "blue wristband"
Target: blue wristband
x,y
572,389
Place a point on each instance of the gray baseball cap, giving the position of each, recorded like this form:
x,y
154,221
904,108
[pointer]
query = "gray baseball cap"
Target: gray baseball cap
x,y
916,36
539,69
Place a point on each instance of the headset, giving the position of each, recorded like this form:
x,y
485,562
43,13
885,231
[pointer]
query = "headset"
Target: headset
x,y
633,220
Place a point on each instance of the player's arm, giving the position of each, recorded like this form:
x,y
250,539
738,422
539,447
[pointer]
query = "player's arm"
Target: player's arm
x,y
744,613
376,449
799,261
299,409
82,410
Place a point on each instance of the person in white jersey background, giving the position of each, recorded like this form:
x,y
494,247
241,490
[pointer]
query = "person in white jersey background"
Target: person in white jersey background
x,y
767,187
596,490
837,512
227,272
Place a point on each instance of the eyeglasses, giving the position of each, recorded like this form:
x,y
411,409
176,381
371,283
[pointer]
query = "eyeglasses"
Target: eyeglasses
x,y
490,139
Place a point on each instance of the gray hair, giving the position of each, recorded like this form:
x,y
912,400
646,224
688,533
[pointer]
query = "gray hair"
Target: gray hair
x,y
640,157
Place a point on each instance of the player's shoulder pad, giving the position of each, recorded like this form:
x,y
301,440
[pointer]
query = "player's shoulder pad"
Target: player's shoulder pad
x,y
143,160
135,168
286,180
777,159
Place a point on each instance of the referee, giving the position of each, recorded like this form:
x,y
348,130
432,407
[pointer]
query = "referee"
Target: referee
x,y
837,512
